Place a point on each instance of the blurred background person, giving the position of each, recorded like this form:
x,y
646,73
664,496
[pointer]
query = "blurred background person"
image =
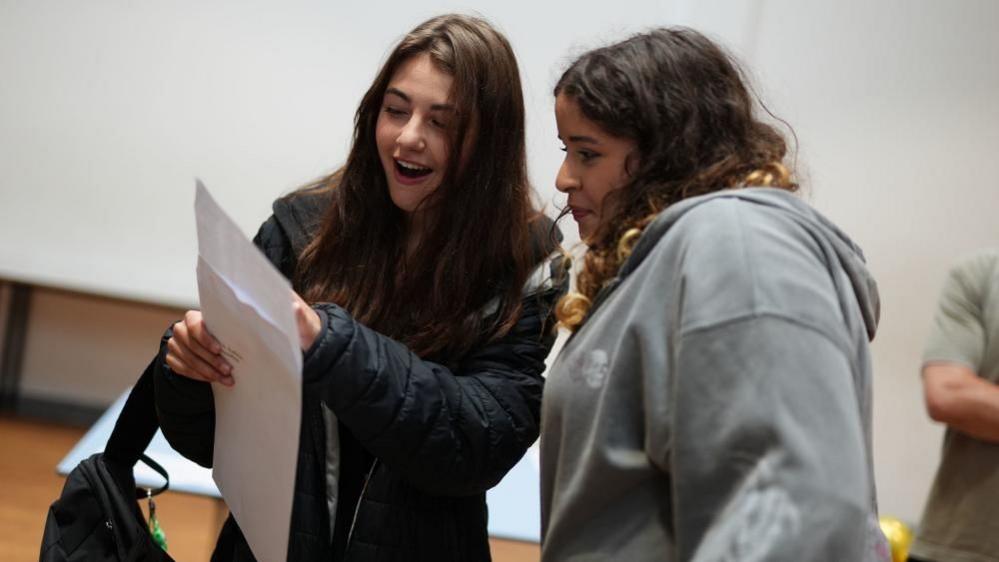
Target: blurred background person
x,y
960,372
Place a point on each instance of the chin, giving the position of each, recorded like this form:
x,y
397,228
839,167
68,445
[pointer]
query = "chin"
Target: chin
x,y
403,203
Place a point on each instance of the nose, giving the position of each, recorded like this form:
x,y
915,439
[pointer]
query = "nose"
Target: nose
x,y
565,181
411,135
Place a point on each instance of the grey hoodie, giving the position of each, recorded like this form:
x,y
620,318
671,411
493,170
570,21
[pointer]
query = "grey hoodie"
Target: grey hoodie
x,y
716,404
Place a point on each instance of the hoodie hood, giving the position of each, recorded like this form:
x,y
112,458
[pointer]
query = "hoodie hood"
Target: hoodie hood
x,y
300,214
849,256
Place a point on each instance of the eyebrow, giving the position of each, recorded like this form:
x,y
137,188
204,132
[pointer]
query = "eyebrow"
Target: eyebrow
x,y
582,138
407,99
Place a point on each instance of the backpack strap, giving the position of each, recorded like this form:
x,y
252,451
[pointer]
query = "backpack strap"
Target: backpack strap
x,y
134,430
141,493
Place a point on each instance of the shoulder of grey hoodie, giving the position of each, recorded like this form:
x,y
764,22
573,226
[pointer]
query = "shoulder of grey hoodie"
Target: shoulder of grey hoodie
x,y
739,259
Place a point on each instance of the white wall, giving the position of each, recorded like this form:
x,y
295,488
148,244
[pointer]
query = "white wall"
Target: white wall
x,y
109,108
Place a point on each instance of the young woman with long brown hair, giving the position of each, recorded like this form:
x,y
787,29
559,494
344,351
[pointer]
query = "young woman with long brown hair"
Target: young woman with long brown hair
x,y
713,402
428,274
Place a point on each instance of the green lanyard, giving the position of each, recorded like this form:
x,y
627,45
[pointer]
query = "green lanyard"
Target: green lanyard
x,y
159,537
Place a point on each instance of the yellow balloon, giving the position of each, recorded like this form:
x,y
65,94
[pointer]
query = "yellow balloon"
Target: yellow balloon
x,y
899,537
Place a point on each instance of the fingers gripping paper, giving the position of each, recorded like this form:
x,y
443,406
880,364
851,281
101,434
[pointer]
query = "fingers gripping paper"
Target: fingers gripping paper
x,y
247,306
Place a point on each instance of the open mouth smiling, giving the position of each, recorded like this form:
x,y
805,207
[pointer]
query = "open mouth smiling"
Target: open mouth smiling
x,y
412,171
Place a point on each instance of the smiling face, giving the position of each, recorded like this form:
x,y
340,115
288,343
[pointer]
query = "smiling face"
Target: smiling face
x,y
412,132
595,164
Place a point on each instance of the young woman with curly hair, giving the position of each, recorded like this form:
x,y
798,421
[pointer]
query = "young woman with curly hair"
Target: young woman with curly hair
x,y
713,401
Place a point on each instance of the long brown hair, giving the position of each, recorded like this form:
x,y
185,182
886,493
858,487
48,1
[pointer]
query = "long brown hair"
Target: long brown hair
x,y
474,253
684,102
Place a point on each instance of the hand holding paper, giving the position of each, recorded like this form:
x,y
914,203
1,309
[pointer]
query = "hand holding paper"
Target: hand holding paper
x,y
192,351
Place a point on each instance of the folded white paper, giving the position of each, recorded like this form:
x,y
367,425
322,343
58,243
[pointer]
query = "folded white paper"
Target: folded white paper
x,y
247,306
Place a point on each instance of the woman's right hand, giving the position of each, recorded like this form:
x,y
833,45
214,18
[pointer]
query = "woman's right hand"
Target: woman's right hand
x,y
194,352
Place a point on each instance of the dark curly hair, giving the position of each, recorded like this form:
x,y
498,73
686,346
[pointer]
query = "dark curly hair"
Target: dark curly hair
x,y
684,102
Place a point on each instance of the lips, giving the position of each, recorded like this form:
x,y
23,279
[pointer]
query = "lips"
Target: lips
x,y
579,214
411,170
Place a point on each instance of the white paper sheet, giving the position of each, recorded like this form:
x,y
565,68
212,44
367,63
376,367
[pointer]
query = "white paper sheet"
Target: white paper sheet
x,y
247,306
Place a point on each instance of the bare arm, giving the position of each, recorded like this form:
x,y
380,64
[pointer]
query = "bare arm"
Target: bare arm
x,y
958,397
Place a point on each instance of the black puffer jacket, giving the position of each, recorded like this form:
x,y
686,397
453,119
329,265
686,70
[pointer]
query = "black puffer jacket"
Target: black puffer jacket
x,y
413,444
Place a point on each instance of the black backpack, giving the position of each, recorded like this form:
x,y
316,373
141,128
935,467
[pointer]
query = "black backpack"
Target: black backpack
x,y
97,516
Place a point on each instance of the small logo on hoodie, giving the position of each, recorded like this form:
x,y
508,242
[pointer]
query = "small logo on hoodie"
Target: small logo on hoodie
x,y
592,368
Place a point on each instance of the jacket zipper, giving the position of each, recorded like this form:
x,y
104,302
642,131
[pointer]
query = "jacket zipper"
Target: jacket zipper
x,y
357,508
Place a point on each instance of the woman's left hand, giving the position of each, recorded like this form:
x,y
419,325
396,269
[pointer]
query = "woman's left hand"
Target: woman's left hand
x,y
307,320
